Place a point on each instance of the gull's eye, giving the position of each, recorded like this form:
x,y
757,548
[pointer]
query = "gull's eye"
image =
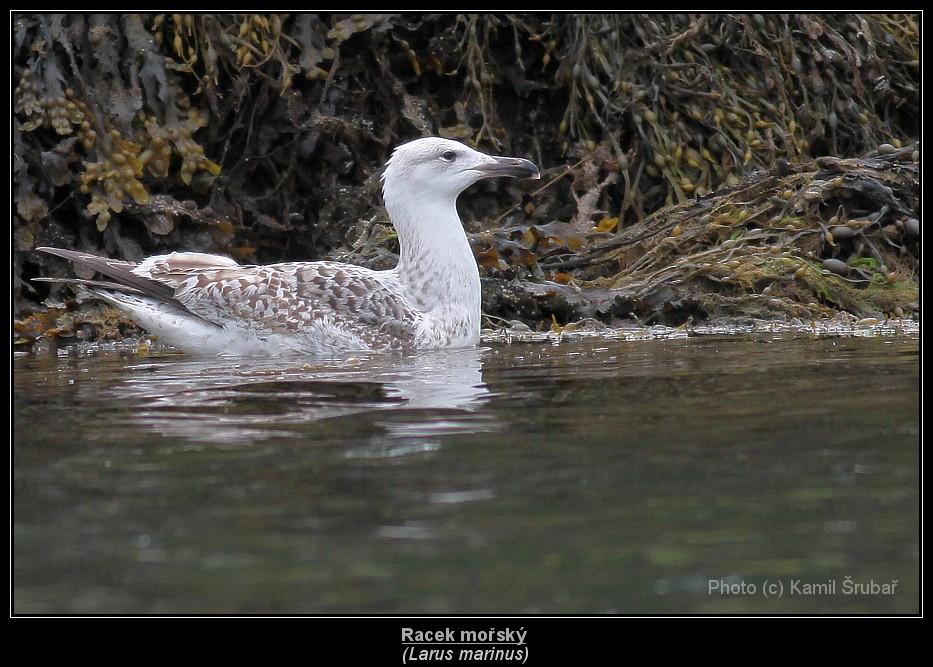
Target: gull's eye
x,y
448,156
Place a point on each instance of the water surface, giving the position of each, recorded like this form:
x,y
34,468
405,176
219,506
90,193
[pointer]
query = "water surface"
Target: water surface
x,y
593,476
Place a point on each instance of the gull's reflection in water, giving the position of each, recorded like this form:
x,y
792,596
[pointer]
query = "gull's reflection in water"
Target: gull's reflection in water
x,y
380,405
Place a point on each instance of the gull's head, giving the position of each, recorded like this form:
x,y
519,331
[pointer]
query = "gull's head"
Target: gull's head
x,y
445,168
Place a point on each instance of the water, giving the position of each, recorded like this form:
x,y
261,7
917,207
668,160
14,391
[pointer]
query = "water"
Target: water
x,y
594,476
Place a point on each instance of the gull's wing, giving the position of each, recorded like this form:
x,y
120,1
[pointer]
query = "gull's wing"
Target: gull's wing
x,y
301,298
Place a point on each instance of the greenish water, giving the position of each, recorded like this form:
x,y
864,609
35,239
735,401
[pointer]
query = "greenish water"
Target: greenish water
x,y
692,475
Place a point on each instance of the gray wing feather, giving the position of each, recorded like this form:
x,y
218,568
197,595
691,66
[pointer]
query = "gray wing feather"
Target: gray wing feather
x,y
119,271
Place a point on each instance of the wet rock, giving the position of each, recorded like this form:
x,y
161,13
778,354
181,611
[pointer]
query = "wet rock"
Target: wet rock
x,y
836,266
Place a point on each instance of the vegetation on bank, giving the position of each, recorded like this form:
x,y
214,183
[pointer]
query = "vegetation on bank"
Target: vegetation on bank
x,y
695,166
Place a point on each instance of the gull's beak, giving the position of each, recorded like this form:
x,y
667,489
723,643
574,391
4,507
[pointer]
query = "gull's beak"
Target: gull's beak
x,y
516,167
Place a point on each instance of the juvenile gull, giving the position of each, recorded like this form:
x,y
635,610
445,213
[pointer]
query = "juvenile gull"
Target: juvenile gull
x,y
209,304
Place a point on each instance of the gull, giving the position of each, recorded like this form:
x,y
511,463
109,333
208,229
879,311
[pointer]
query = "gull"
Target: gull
x,y
208,304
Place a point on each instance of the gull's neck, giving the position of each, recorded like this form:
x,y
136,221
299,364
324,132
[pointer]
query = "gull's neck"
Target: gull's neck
x,y
436,263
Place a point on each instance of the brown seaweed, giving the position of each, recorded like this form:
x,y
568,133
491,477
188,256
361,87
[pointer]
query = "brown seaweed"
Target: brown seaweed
x,y
262,135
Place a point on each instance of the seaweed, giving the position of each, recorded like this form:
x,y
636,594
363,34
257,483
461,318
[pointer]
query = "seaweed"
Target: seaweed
x,y
805,242
262,136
